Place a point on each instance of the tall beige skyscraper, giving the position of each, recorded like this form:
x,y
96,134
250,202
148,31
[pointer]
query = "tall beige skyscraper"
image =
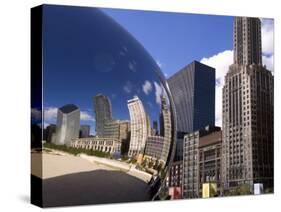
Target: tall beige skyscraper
x,y
247,149
139,126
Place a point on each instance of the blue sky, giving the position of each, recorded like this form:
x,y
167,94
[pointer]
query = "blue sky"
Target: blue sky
x,y
172,39
176,39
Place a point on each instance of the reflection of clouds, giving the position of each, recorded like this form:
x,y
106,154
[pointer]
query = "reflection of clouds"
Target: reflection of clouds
x,y
147,87
132,65
113,96
50,115
150,104
85,116
125,48
128,87
122,53
159,63
158,92
104,62
35,114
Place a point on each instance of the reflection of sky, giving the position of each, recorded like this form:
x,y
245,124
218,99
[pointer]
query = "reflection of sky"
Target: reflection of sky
x,y
176,39
86,53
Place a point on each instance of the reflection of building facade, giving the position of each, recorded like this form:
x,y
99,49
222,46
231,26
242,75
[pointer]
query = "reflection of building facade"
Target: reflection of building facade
x,y
193,92
154,147
247,111
119,129
103,113
111,129
155,130
68,124
192,175
84,131
109,145
139,126
165,128
50,131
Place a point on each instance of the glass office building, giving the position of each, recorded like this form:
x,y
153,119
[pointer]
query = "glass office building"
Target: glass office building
x,y
193,91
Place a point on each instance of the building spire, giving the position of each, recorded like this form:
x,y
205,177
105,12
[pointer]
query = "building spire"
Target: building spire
x,y
247,41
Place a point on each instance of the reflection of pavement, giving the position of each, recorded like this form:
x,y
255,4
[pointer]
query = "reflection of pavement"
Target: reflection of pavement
x,y
70,180
119,165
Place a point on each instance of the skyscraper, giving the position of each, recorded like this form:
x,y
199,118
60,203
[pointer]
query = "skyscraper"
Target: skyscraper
x,y
193,91
247,111
139,126
103,113
68,124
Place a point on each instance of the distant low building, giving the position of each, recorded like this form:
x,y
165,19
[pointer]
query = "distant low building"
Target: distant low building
x,y
201,160
109,145
119,129
210,151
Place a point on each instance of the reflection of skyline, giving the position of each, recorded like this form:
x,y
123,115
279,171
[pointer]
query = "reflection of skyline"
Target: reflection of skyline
x,y
95,57
152,103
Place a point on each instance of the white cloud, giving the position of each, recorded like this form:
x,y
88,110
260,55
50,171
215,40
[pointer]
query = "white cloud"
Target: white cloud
x,y
158,92
220,62
159,63
46,124
132,65
50,114
267,30
35,113
86,116
268,62
147,87
128,87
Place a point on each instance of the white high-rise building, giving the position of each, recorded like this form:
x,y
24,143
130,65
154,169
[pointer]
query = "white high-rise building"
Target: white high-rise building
x,y
68,124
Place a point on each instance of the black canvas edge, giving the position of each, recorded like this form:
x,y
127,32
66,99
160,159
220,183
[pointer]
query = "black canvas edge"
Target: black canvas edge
x,y
36,183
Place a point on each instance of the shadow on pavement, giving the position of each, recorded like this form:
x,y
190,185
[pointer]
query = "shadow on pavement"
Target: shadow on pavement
x,y
94,187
